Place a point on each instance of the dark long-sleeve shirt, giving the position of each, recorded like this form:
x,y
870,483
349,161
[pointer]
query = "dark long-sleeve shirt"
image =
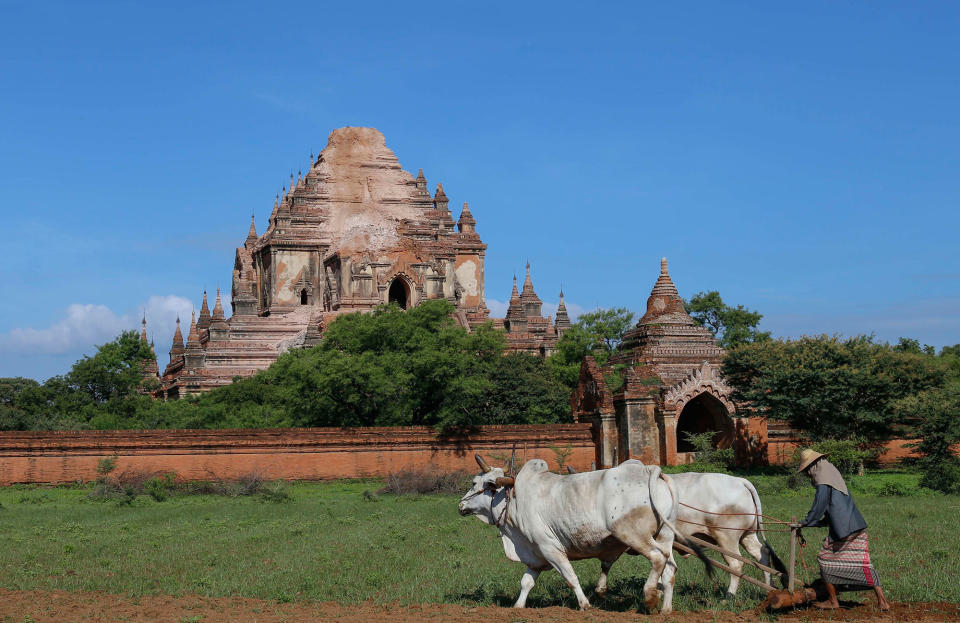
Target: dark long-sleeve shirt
x,y
833,508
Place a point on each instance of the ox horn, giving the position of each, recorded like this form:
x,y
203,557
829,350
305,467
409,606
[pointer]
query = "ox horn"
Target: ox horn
x,y
504,482
483,464
570,470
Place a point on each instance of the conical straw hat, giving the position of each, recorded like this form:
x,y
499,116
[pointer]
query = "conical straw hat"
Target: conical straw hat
x,y
807,457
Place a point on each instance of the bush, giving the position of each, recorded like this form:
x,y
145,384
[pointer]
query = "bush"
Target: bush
x,y
708,457
943,477
892,489
159,487
427,482
848,455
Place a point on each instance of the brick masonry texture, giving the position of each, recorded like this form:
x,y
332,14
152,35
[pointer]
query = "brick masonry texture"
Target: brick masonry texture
x,y
289,454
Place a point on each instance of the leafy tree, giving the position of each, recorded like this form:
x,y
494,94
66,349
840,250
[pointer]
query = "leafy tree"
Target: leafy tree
x,y
386,368
910,345
731,326
102,384
831,387
596,333
936,414
950,351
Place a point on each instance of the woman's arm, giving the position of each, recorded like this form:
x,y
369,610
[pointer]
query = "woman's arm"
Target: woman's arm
x,y
820,504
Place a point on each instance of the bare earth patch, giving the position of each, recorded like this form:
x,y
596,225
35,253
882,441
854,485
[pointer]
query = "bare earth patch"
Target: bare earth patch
x,y
43,606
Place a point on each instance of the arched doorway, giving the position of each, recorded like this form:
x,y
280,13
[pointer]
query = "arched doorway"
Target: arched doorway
x,y
704,414
303,297
398,293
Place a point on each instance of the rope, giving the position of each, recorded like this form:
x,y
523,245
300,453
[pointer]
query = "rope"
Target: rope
x,y
768,517
729,528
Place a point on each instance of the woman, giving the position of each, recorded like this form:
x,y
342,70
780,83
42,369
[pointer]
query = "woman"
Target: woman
x,y
844,557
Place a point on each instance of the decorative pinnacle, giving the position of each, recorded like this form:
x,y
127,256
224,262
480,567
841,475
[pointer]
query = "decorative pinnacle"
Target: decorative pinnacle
x,y
664,285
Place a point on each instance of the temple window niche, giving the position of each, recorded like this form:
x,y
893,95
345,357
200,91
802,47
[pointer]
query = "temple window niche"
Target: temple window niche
x,y
304,297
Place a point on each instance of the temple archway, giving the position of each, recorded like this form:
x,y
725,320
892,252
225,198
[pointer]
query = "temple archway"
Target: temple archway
x,y
704,413
399,293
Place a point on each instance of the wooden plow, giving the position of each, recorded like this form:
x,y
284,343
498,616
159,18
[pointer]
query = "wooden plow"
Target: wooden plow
x,y
776,598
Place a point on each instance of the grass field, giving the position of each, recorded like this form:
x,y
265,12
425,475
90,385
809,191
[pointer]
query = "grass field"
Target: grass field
x,y
337,542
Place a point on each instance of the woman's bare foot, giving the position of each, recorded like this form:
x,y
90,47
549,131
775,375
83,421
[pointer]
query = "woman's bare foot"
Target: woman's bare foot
x,y
882,602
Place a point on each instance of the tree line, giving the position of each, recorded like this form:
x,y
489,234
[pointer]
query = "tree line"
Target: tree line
x,y
417,367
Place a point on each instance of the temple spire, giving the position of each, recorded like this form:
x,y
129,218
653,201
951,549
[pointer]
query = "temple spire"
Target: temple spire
x,y
527,282
176,348
203,322
515,294
440,200
252,234
143,328
467,224
664,285
193,338
562,321
217,309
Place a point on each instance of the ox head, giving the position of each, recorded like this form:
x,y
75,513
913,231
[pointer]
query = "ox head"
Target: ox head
x,y
487,485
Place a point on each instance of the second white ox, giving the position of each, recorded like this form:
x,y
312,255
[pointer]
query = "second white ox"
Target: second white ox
x,y
547,520
726,510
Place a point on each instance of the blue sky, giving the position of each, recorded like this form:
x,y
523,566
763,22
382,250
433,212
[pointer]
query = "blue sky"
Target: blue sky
x,y
801,159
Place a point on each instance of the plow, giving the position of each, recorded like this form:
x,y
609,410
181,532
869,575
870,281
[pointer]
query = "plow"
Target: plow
x,y
792,594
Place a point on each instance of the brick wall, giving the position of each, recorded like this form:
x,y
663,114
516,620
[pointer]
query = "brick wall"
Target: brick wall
x,y
307,453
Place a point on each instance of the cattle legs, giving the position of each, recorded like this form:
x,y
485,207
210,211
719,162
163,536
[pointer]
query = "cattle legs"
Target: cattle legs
x,y
526,583
602,582
562,564
752,544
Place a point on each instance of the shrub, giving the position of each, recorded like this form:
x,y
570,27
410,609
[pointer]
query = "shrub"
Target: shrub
x,y
276,492
943,477
708,457
848,455
892,489
106,466
427,481
159,487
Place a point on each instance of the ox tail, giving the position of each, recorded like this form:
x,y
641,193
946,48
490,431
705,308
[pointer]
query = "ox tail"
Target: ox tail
x,y
767,555
656,473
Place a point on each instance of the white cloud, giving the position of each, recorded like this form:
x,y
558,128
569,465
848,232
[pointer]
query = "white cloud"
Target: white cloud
x,y
498,309
84,325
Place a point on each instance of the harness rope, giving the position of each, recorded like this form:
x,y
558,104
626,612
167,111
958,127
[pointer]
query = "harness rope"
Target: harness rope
x,y
768,517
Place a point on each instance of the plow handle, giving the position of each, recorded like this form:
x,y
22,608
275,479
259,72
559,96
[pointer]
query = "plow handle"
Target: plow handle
x,y
791,577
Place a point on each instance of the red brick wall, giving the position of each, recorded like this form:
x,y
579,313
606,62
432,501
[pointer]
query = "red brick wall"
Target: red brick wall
x,y
306,453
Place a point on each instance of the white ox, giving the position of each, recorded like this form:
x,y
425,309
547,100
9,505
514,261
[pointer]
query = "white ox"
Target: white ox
x,y
732,518
725,510
547,520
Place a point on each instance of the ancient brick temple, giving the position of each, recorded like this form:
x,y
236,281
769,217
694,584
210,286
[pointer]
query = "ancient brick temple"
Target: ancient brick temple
x,y
526,327
671,386
354,232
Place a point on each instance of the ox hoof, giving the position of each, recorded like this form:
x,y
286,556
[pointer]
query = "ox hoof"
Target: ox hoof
x,y
600,592
729,595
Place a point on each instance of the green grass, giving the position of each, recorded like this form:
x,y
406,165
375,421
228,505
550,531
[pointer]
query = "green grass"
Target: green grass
x,y
331,542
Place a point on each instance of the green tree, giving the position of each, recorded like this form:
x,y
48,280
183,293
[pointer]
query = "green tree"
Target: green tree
x,y
386,368
936,417
731,326
910,345
109,382
596,333
831,387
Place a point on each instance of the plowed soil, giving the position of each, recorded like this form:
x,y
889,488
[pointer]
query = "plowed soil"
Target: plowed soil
x,y
43,606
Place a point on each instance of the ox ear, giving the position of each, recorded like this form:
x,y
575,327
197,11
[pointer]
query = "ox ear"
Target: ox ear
x,y
504,482
483,464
